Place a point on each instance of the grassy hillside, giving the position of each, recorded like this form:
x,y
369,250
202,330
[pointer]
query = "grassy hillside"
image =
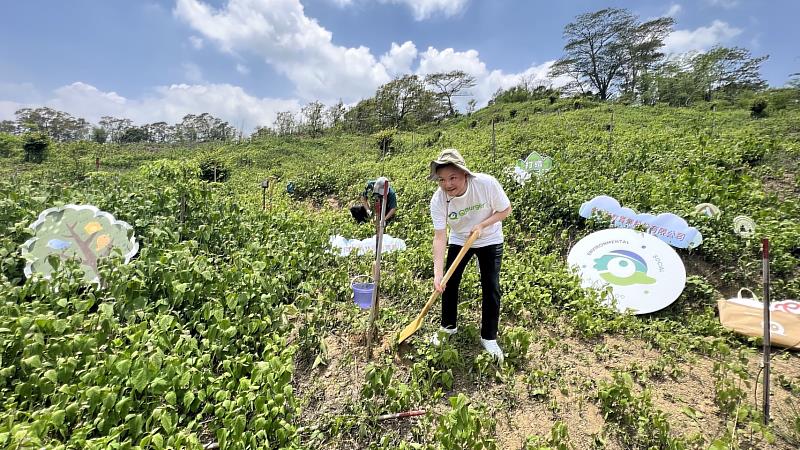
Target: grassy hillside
x,y
234,326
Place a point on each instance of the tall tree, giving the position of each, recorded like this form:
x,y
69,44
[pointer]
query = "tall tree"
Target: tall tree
x,y
157,131
9,126
133,135
115,127
395,100
595,51
451,84
335,113
795,80
727,70
262,133
641,44
362,118
99,135
314,119
610,48
58,125
284,123
405,102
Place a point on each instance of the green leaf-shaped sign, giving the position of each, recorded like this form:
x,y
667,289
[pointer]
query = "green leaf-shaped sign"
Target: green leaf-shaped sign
x,y
533,164
536,163
82,232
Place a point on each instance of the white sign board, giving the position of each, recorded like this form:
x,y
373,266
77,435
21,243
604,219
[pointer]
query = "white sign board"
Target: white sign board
x,y
668,227
645,274
707,209
744,226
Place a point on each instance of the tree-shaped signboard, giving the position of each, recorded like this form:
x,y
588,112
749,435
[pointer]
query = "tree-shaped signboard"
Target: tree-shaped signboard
x,y
80,232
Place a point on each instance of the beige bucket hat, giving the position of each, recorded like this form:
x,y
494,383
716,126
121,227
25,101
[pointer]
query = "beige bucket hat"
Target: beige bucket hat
x,y
448,156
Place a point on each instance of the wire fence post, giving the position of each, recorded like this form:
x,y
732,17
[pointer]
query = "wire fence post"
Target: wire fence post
x,y
264,186
493,140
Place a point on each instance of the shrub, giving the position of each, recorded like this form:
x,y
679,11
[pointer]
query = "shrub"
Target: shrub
x,y
384,140
168,170
758,108
8,142
35,145
213,169
432,140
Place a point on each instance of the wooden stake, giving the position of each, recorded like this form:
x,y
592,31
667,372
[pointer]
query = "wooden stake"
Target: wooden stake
x,y
767,349
376,273
183,208
493,141
402,415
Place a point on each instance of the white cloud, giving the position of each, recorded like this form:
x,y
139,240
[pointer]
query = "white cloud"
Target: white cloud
x,y
700,39
165,103
80,98
400,58
225,101
296,45
433,61
302,50
242,69
425,9
196,42
674,10
487,82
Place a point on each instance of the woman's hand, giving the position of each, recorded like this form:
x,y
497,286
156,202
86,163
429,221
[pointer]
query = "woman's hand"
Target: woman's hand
x,y
437,284
477,229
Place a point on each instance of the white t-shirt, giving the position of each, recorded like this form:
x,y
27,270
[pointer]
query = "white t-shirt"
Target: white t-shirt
x,y
484,196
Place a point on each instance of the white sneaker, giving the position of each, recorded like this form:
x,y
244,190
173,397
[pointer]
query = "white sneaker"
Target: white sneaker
x,y
493,349
447,331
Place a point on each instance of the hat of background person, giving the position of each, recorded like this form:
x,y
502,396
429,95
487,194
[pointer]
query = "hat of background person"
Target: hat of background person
x,y
376,187
448,156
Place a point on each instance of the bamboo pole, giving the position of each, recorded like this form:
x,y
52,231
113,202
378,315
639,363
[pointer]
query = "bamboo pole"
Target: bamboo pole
x,y
376,273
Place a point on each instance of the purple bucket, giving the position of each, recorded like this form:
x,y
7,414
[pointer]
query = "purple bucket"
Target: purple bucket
x,y
362,292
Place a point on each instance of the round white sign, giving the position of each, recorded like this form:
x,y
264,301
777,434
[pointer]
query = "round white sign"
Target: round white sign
x,y
708,209
744,226
644,272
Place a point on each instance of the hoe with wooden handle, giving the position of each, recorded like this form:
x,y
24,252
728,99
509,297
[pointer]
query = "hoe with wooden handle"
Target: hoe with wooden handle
x,y
417,323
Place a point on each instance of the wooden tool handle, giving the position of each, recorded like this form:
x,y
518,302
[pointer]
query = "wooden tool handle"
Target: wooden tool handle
x,y
471,240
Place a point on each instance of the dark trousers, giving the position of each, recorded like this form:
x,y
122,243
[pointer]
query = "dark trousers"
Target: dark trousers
x,y
489,261
361,215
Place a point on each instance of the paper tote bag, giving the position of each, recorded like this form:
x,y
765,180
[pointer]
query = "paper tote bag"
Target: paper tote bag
x,y
745,316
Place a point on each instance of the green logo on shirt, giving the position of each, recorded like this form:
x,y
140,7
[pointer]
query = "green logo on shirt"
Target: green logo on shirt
x,y
455,215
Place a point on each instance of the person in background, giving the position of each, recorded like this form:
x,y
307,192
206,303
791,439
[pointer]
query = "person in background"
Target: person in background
x,y
468,202
363,213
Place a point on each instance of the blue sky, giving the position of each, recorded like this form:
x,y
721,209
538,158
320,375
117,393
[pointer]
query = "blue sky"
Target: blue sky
x,y
245,60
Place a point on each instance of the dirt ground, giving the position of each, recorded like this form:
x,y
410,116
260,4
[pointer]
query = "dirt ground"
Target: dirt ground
x,y
332,389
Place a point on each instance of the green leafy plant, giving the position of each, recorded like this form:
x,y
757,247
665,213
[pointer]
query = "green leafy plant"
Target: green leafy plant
x,y
465,426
